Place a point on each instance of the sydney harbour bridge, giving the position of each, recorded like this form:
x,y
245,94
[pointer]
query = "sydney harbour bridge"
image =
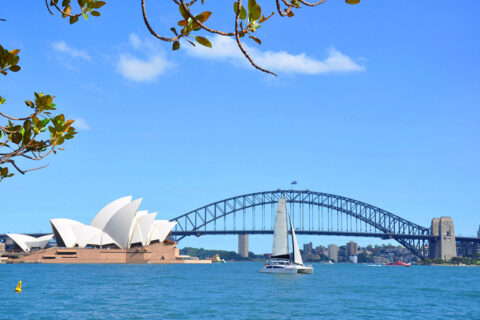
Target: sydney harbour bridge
x,y
318,213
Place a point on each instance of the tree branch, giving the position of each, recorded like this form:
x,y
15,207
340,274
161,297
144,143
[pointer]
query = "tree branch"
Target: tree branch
x,y
239,43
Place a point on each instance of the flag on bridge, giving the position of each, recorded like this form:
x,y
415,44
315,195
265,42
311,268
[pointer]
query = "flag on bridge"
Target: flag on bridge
x,y
293,182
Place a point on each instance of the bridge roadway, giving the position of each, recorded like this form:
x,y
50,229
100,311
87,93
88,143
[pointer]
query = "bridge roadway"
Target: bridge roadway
x,y
384,236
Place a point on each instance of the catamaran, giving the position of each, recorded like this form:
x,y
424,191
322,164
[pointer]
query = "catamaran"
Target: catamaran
x,y
281,260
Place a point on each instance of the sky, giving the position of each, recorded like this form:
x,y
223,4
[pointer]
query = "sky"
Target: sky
x,y
378,102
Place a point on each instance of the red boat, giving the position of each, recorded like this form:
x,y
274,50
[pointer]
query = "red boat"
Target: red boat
x,y
398,263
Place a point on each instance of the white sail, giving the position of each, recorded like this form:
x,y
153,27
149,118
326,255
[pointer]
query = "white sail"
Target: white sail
x,y
280,232
297,257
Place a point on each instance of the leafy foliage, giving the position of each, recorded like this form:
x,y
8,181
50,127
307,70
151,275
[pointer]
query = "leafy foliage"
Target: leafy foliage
x,y
86,7
32,137
247,21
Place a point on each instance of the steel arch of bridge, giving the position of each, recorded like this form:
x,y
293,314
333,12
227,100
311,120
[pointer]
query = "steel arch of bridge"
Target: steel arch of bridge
x,y
385,224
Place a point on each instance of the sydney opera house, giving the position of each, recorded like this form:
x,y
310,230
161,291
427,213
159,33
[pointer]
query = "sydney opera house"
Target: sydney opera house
x,y
119,233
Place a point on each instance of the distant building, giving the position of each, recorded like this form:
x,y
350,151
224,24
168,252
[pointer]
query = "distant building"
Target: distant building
x,y
333,252
307,248
321,250
478,232
2,246
352,249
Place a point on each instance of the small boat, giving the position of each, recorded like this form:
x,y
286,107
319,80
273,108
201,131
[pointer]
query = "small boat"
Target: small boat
x,y
281,260
398,264
216,259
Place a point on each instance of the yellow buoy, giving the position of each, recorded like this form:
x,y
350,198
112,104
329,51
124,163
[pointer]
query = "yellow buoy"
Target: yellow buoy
x,y
19,287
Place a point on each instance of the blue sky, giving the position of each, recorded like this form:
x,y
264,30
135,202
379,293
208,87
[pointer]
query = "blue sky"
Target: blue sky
x,y
378,102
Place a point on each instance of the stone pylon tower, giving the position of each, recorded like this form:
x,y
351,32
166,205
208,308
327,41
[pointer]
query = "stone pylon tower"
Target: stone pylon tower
x,y
243,245
444,247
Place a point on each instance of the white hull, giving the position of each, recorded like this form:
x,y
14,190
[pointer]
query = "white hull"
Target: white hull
x,y
282,269
305,269
273,267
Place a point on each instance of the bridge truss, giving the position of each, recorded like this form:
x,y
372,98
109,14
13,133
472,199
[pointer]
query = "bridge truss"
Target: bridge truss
x,y
311,212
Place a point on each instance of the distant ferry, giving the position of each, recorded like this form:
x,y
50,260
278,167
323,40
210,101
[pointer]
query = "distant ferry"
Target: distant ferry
x,y
398,264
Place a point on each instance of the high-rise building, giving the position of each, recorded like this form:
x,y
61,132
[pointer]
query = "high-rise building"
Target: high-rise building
x,y
333,252
243,245
321,250
352,248
478,232
307,248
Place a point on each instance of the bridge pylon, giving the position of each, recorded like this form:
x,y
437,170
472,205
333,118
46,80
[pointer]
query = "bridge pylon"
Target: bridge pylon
x,y
444,245
243,245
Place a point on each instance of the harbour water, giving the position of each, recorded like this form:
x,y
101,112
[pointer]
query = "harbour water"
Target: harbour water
x,y
238,291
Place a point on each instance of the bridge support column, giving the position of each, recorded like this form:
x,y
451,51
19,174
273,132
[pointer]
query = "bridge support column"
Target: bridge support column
x,y
243,245
444,246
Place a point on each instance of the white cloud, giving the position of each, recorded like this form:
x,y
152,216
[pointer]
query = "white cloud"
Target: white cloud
x,y
225,48
81,124
145,69
135,41
63,47
135,69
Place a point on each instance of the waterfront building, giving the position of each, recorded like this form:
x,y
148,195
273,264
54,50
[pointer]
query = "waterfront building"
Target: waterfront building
x,y
307,248
352,249
333,252
478,232
353,259
119,233
118,225
27,243
2,247
321,250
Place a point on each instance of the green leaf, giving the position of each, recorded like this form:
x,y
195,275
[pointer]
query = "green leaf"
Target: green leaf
x,y
183,12
98,4
95,13
202,17
85,16
243,11
256,12
251,4
73,19
203,41
16,137
15,68
176,45
352,1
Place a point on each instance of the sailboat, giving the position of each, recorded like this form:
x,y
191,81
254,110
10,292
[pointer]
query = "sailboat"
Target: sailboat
x,y
281,260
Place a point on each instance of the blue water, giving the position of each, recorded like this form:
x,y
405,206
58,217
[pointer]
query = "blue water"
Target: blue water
x,y
238,291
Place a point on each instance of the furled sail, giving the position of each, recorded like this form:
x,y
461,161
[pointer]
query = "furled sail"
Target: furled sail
x,y
280,232
297,257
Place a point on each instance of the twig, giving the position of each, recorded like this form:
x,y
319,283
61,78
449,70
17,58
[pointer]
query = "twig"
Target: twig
x,y
239,43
